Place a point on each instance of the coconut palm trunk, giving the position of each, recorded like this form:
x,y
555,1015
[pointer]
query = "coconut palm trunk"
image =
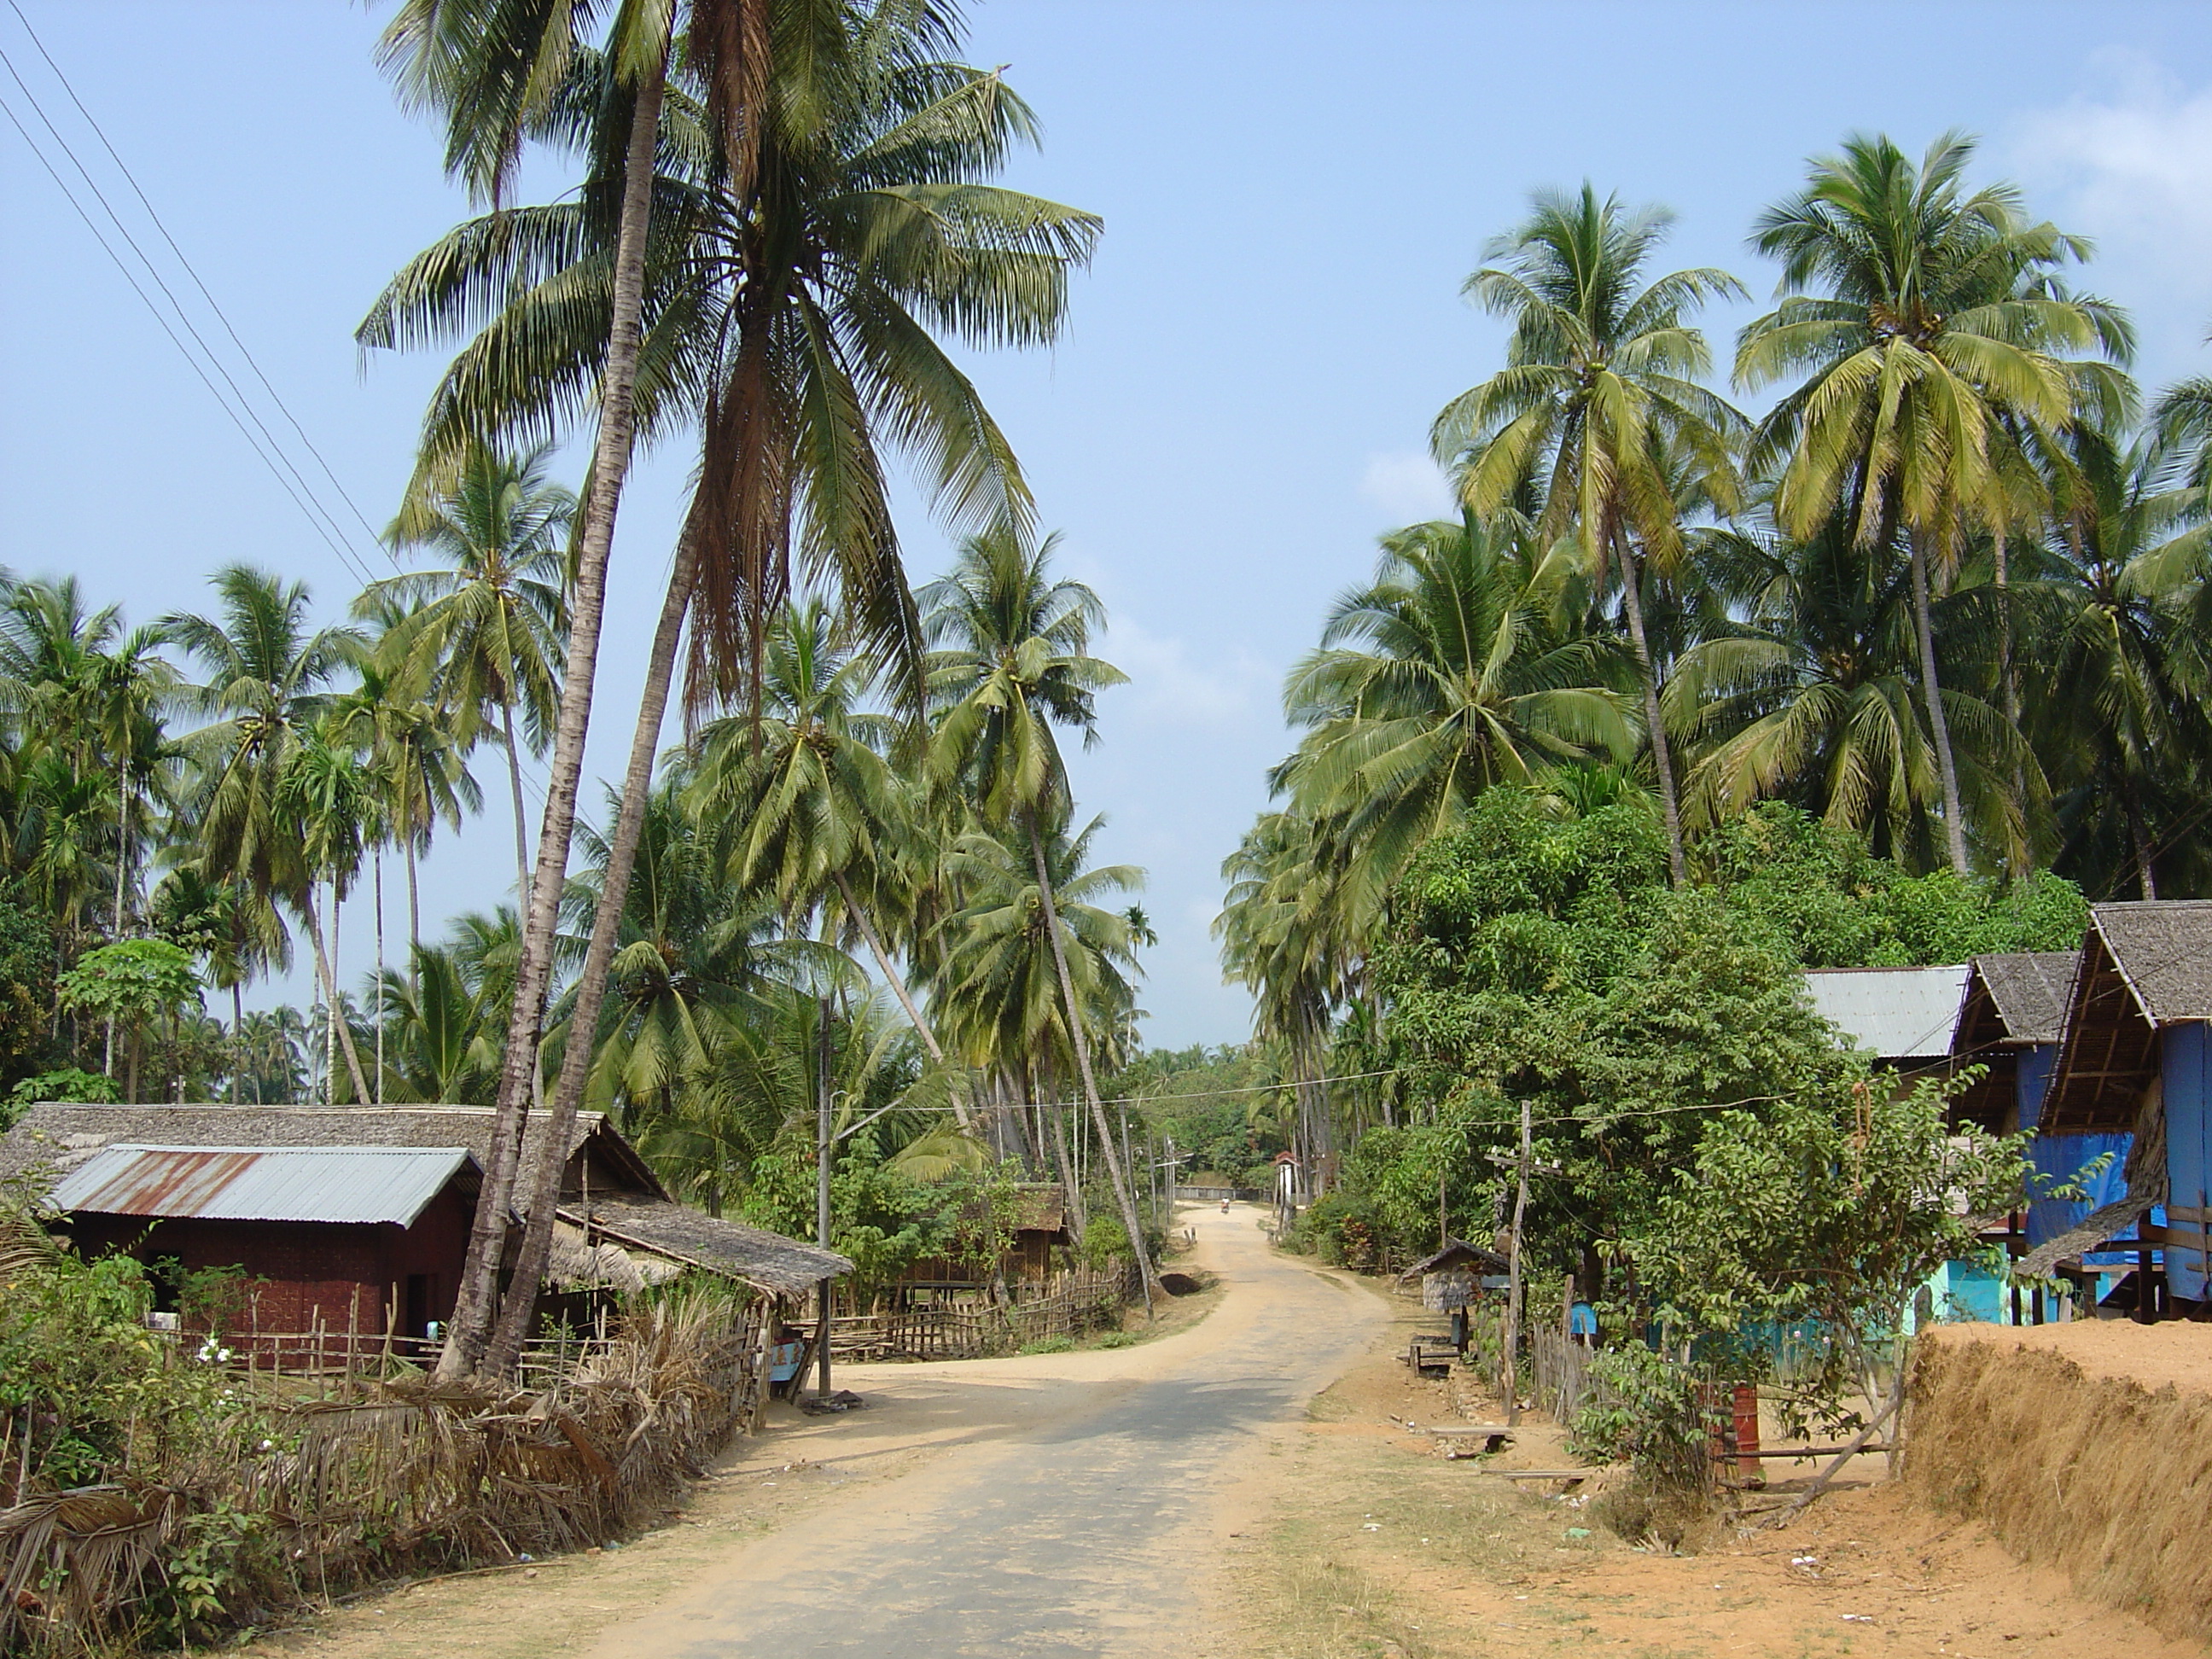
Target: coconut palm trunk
x,y
122,865
1662,759
475,1306
514,794
513,1329
378,865
337,1033
897,980
241,1056
1081,1043
1931,692
414,922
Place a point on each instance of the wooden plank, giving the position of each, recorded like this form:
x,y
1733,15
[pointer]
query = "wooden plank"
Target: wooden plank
x,y
1541,1474
1493,1430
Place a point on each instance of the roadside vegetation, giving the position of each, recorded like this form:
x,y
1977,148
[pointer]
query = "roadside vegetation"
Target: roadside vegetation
x,y
1903,667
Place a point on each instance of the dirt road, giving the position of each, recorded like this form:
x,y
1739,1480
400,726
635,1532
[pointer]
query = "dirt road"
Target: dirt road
x,y
1080,1522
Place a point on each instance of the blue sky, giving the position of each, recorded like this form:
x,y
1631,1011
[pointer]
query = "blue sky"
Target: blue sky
x,y
1292,193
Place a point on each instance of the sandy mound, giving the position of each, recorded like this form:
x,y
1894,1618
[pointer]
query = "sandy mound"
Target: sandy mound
x,y
2165,1355
2085,1446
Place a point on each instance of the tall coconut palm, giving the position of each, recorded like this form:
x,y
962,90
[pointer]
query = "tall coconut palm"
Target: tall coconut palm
x,y
1599,407
1011,661
1456,668
792,320
483,634
1035,963
446,56
324,794
2118,607
268,672
419,764
809,810
1917,318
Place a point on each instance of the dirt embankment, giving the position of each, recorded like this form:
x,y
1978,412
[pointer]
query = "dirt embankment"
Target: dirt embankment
x,y
1378,1546
2086,1447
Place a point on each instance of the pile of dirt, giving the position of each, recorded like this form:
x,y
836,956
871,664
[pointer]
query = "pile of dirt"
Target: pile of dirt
x,y
2086,1446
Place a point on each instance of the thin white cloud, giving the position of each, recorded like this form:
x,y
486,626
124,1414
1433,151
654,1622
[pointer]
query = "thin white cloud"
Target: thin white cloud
x,y
1172,684
2132,161
1407,486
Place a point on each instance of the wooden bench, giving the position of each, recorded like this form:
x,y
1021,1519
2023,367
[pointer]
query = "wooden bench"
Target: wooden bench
x,y
1430,1351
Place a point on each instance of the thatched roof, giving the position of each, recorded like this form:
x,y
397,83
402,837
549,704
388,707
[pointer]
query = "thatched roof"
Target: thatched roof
x,y
2019,998
1459,1254
1041,1207
2143,965
2163,948
56,1137
767,1261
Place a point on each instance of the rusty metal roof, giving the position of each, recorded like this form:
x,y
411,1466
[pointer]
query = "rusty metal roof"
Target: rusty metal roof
x,y
344,1184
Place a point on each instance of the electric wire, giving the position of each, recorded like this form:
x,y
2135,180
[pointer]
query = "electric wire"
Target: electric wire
x,y
193,271
273,456
153,310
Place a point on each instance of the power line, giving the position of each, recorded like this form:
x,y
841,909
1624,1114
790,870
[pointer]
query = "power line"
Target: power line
x,y
163,322
272,456
193,271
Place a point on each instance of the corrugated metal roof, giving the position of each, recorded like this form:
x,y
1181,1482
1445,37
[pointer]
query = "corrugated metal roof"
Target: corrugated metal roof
x,y
354,1184
1893,1013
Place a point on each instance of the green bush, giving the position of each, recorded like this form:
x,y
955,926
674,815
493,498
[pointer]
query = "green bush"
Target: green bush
x,y
1104,1239
1049,1345
1641,1410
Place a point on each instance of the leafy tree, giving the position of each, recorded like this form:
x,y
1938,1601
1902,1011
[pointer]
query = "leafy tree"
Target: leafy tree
x,y
138,982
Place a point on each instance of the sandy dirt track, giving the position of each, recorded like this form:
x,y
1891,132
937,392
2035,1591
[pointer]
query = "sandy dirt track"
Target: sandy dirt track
x,y
1087,1495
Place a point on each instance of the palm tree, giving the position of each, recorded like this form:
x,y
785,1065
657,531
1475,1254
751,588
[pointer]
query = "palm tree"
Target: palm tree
x,y
692,945
443,1027
267,670
324,795
1598,408
1293,927
483,633
419,766
1456,668
807,804
1035,963
1011,661
1940,330
813,238
2119,611
1808,696
446,57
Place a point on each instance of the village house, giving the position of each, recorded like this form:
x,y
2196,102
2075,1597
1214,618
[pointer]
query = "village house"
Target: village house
x,y
1039,1227
355,1219
2131,1078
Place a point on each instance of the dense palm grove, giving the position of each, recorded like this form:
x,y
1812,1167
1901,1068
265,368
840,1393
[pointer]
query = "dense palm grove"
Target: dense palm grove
x,y
861,876
1943,599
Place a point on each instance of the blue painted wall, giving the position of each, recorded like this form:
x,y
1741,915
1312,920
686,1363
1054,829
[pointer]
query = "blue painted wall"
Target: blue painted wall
x,y
2186,1057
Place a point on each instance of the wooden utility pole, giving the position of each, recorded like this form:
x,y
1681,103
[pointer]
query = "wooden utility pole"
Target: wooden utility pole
x,y
1513,1278
821,1151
